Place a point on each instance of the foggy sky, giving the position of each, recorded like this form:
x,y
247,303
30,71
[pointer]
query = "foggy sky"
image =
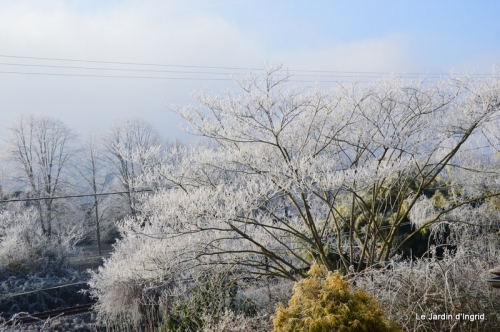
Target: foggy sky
x,y
347,36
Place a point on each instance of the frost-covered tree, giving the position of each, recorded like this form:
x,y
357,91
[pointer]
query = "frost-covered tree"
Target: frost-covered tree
x,y
96,178
123,140
41,148
333,176
299,175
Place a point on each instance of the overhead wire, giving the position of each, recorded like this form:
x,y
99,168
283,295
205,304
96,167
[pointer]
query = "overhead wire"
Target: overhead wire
x,y
128,63
172,78
297,72
167,71
118,76
115,69
10,295
74,196
328,73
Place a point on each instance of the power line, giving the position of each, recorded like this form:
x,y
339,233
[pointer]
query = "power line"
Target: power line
x,y
218,67
170,78
118,76
6,296
319,74
74,196
116,69
126,63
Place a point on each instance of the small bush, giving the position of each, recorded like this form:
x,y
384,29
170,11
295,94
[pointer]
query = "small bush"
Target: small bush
x,y
452,285
450,279
31,263
25,249
211,299
325,302
229,321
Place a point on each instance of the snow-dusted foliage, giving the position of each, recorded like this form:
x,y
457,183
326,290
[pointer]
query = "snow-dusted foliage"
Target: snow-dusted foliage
x,y
31,261
123,140
24,247
297,176
231,322
449,281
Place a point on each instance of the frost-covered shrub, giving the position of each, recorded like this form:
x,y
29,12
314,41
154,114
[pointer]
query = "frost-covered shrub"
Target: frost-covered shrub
x,y
213,294
154,254
24,248
448,281
232,322
149,279
140,265
325,302
32,261
452,285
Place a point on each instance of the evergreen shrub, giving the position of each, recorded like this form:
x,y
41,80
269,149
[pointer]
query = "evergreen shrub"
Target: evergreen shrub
x,y
325,302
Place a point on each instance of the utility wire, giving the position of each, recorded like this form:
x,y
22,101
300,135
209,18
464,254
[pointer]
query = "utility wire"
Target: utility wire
x,y
6,296
171,78
118,76
338,74
74,196
117,69
125,63
218,67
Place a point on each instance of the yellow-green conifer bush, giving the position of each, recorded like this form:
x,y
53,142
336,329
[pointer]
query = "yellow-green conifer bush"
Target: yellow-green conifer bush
x,y
325,302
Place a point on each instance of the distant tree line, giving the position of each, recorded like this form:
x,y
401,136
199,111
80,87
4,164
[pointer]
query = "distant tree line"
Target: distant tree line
x,y
44,160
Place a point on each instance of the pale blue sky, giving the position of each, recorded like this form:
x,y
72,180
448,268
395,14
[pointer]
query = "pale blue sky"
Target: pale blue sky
x,y
317,24
360,36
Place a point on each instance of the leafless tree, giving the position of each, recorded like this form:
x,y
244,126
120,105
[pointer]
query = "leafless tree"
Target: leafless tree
x,y
91,168
123,143
40,146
